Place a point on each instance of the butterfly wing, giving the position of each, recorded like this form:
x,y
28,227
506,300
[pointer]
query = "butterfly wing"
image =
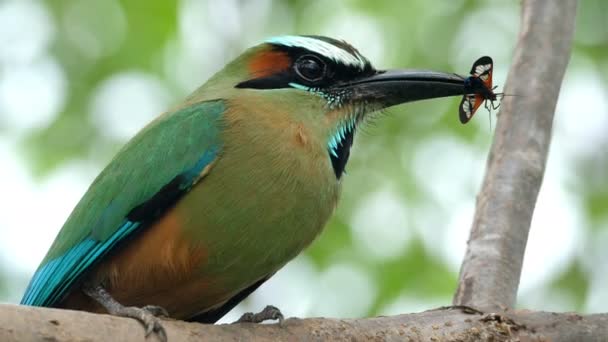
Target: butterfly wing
x,y
468,107
478,87
482,68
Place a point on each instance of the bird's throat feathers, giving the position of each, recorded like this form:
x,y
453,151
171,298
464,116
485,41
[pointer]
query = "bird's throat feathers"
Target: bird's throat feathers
x,y
325,117
345,121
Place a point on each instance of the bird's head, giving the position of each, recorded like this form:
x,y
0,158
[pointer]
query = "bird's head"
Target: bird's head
x,y
326,84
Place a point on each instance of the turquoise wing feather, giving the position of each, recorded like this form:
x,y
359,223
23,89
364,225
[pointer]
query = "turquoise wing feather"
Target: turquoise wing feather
x,y
146,177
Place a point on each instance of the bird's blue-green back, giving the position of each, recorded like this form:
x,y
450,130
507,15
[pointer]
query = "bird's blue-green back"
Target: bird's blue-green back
x,y
146,177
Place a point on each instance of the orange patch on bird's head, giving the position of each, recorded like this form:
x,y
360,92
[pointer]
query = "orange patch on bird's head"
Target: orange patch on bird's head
x,y
268,62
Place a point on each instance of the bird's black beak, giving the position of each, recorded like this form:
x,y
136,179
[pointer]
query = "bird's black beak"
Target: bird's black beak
x,y
392,87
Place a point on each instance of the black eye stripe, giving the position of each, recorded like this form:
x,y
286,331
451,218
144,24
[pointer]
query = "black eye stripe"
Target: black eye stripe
x,y
333,73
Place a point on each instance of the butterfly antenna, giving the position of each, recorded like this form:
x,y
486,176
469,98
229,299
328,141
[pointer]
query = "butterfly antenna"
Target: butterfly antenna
x,y
503,94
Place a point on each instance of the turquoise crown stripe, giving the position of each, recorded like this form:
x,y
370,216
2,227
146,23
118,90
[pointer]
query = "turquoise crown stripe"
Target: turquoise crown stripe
x,y
331,51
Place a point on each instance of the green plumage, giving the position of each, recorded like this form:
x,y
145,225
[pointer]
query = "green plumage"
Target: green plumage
x,y
212,198
170,145
148,162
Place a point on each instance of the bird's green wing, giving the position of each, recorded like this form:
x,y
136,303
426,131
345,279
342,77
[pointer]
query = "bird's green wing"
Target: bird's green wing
x,y
148,176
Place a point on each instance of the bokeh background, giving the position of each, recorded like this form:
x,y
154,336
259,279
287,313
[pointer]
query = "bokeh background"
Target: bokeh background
x,y
78,78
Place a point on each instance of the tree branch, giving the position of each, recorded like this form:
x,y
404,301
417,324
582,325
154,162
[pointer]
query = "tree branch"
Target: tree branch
x,y
489,276
21,323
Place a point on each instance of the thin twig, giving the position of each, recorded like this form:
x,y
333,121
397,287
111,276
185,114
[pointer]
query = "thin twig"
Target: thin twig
x,y
489,276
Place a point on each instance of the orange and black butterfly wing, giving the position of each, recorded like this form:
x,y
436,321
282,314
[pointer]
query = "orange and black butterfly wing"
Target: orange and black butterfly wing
x,y
482,68
478,88
468,107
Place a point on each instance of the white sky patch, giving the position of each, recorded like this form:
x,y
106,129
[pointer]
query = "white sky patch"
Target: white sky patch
x,y
547,299
380,226
595,262
359,30
448,169
453,242
346,290
581,118
31,95
323,48
229,24
190,62
26,30
555,234
219,38
496,38
34,212
126,102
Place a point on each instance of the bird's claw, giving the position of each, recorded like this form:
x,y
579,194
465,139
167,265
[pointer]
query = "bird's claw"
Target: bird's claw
x,y
156,311
148,316
269,313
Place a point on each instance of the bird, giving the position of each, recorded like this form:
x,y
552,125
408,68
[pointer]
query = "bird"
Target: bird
x,y
214,196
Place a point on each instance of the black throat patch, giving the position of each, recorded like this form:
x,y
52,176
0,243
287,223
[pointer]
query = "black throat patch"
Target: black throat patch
x,y
339,149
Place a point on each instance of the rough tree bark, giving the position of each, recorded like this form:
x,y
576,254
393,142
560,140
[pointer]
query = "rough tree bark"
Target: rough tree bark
x,y
20,323
491,270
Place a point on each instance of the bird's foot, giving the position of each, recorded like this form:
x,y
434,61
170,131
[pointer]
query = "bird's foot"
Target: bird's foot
x,y
147,315
269,313
148,318
156,311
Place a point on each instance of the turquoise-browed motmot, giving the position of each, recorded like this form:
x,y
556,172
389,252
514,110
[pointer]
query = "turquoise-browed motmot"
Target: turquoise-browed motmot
x,y
211,198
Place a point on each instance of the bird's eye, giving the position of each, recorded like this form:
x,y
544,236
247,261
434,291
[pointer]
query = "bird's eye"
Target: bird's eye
x,y
310,68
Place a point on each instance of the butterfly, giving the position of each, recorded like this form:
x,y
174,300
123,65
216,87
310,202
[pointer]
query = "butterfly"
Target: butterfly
x,y
478,89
